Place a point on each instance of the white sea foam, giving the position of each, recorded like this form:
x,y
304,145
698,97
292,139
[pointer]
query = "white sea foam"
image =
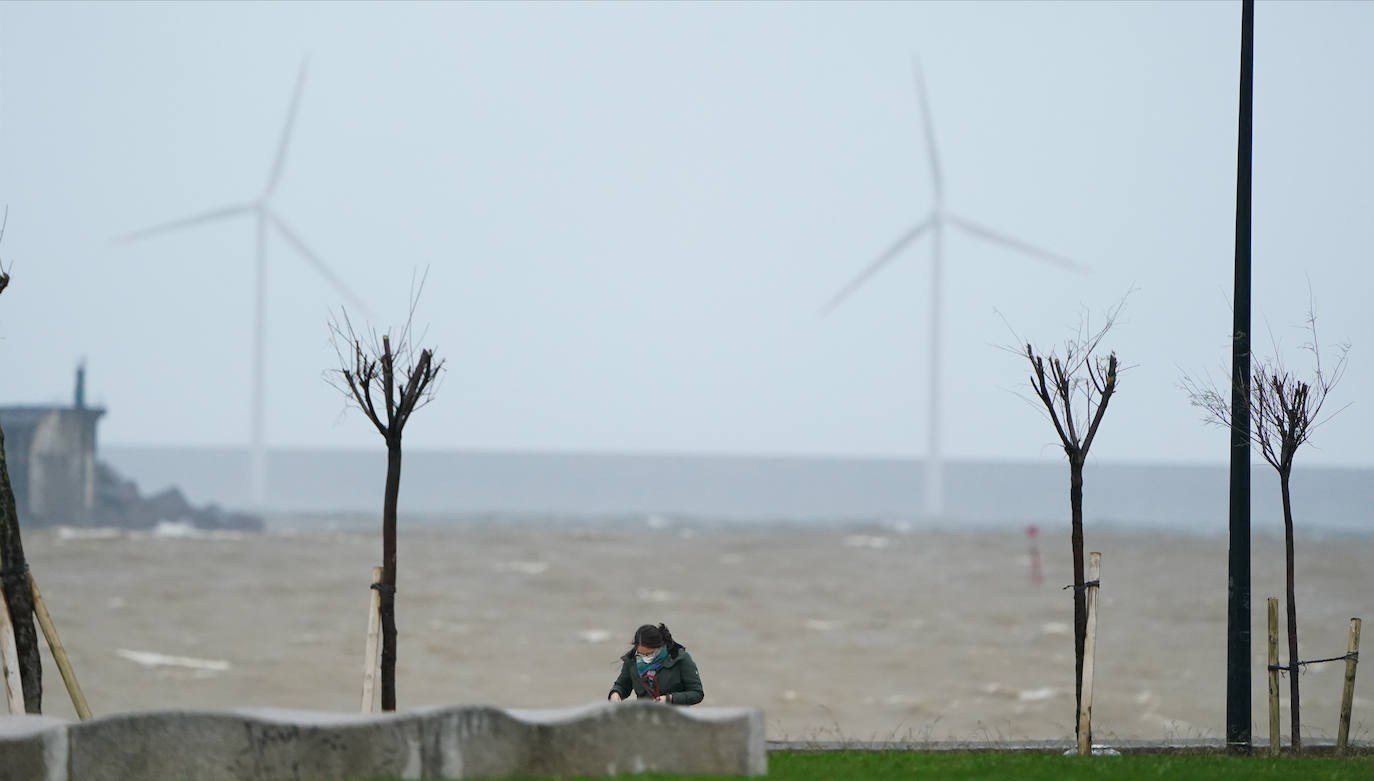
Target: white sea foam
x,y
1055,628
1036,695
1020,695
66,533
867,541
522,567
594,635
821,625
654,595
155,659
184,530
175,529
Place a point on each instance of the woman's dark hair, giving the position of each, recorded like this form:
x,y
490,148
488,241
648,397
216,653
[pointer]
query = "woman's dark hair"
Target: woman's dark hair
x,y
651,636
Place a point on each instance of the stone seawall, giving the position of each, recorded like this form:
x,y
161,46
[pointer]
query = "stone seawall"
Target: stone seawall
x,y
433,743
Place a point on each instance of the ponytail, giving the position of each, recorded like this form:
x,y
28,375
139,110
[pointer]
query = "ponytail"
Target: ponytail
x,y
668,640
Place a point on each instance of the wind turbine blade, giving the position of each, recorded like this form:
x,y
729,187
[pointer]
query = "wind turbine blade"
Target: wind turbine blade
x,y
1001,238
937,180
315,261
210,216
873,268
280,162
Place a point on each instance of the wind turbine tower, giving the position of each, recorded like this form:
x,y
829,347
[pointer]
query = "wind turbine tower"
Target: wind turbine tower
x,y
935,222
265,218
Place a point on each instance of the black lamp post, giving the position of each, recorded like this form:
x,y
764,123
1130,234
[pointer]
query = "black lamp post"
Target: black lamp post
x,y
1238,595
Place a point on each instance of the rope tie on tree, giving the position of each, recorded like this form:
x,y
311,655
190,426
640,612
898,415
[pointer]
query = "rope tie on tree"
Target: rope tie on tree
x,y
385,589
1283,668
1084,587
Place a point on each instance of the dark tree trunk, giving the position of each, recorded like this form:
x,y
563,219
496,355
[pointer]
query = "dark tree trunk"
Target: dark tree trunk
x,y
388,590
1292,610
14,579
372,374
1080,599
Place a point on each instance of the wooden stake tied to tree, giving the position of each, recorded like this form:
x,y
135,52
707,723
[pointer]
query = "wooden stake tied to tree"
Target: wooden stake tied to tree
x,y
388,381
1284,411
1074,388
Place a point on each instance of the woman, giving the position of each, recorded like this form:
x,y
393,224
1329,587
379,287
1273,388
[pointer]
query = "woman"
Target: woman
x,y
658,668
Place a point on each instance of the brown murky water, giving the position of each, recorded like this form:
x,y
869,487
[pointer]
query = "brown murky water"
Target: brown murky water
x,y
835,633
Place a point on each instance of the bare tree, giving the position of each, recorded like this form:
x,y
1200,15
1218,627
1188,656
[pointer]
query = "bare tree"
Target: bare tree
x,y
1074,388
14,569
1284,411
388,380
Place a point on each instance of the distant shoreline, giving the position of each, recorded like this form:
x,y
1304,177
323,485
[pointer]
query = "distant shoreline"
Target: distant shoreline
x,y
802,489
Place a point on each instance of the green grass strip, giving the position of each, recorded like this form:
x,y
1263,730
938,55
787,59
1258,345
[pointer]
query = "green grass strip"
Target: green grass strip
x,y
1033,767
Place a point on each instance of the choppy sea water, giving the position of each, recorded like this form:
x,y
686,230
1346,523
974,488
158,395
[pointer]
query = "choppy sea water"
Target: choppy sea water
x,y
836,632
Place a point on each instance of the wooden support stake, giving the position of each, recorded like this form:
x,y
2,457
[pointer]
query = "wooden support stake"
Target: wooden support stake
x,y
59,654
1274,676
1348,694
1085,710
374,636
9,659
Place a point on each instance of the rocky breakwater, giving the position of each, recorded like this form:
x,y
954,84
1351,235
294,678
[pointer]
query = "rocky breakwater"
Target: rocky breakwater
x,y
119,503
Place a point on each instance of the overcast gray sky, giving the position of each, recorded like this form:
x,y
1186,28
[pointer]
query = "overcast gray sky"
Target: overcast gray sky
x,y
632,213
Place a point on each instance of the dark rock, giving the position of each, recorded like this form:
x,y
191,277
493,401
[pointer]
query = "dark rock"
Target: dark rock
x,y
118,503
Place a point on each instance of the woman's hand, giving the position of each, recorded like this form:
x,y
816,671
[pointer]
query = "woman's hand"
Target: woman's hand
x,y
661,698
615,697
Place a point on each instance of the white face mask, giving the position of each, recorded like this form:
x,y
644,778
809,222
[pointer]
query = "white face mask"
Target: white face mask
x,y
649,658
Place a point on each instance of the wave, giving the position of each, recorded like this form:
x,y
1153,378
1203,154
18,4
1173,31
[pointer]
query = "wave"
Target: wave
x,y
155,659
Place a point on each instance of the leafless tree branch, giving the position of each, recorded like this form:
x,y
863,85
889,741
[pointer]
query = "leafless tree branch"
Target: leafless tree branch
x,y
1285,410
377,374
1079,383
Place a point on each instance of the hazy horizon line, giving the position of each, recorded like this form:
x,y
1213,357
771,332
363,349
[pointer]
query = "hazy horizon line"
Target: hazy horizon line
x,y
711,454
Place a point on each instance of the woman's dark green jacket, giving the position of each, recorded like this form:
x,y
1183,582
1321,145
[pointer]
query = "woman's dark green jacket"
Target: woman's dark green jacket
x,y
678,678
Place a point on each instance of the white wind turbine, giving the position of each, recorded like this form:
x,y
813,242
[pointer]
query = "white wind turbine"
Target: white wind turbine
x,y
264,216
935,222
